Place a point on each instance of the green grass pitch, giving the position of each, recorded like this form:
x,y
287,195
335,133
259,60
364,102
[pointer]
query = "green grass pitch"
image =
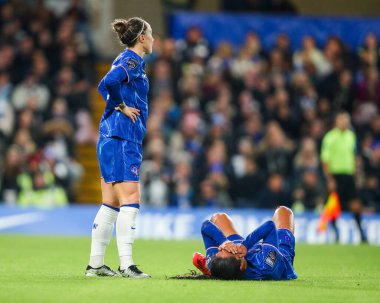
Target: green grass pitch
x,y
47,269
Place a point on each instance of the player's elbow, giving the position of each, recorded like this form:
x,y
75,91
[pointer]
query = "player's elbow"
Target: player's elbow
x,y
110,81
101,86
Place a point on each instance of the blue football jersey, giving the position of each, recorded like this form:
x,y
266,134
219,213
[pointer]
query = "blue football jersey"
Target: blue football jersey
x,y
267,262
134,93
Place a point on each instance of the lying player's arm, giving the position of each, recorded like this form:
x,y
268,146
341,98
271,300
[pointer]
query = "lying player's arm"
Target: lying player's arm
x,y
267,232
213,233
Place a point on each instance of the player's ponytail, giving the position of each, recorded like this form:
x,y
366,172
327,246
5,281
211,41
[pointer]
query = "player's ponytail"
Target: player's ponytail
x,y
129,30
119,26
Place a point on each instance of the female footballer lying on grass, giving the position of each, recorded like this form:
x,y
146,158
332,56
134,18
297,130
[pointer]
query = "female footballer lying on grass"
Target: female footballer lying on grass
x,y
231,257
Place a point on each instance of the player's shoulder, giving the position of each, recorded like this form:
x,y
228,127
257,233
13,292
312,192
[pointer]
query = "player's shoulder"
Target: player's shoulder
x,y
130,59
131,62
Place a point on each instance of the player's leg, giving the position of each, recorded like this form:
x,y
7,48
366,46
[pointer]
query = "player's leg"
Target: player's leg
x,y
283,218
225,223
128,193
102,231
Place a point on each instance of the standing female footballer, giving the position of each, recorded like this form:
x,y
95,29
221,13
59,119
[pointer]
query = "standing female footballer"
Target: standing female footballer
x,y
121,131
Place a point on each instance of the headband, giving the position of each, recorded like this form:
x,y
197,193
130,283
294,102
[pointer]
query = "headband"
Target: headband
x,y
141,31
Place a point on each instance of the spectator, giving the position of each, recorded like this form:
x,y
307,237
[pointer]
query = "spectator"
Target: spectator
x,y
368,89
307,157
211,196
193,45
369,53
370,193
276,151
6,109
309,192
247,185
274,193
310,54
283,46
31,94
42,59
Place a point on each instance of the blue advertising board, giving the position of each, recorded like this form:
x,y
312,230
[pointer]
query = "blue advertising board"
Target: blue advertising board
x,y
175,224
234,27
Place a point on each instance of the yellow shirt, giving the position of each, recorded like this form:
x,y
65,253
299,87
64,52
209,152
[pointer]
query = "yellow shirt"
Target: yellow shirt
x,y
338,151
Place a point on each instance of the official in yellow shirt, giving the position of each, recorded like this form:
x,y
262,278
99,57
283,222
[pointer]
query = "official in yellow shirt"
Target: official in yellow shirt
x,y
338,155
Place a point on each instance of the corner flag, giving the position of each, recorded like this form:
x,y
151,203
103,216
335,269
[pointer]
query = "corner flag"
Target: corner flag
x,y
331,211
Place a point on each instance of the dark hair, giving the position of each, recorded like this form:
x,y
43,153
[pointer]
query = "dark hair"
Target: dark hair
x,y
226,268
192,275
129,30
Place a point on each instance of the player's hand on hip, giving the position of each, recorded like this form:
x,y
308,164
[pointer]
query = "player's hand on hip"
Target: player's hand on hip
x,y
130,112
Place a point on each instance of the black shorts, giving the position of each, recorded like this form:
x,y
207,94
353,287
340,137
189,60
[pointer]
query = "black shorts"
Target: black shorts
x,y
346,189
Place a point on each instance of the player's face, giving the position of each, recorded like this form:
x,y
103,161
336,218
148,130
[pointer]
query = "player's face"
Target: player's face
x,y
148,40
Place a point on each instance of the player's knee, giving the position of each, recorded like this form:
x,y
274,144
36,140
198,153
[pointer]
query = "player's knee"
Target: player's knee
x,y
284,210
217,217
133,197
110,202
130,197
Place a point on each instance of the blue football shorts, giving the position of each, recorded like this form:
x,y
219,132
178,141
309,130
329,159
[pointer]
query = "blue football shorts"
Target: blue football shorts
x,y
286,244
119,159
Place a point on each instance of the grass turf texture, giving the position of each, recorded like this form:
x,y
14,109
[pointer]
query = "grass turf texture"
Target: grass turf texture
x,y
47,269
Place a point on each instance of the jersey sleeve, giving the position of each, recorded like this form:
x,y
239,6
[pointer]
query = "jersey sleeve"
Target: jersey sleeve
x,y
212,235
130,66
102,89
266,232
112,82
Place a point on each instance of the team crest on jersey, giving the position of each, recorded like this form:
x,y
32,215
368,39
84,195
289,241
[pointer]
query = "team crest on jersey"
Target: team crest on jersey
x,y
271,258
132,63
286,238
135,170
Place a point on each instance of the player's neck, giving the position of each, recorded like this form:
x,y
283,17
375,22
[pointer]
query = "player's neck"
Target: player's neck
x,y
138,50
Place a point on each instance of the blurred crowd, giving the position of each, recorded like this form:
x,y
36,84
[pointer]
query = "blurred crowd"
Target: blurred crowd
x,y
235,126
242,126
46,71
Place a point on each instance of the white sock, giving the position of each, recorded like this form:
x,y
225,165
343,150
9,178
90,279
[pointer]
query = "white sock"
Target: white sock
x,y
125,234
102,230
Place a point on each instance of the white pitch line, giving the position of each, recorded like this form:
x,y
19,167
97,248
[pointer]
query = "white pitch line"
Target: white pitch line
x,y
17,220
